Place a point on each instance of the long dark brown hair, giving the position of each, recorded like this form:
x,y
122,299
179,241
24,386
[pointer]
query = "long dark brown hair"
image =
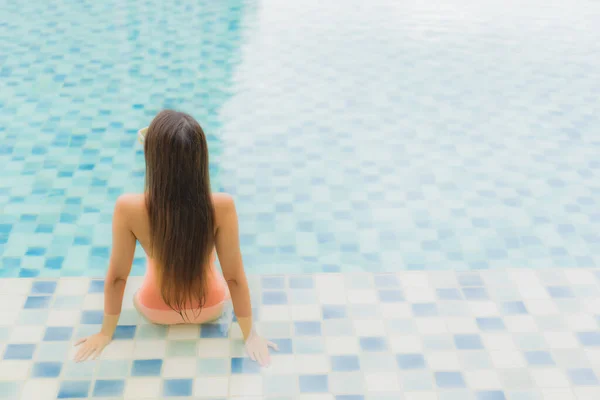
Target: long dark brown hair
x,y
180,207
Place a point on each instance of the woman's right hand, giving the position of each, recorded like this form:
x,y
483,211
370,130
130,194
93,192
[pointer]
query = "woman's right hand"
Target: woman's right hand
x,y
91,346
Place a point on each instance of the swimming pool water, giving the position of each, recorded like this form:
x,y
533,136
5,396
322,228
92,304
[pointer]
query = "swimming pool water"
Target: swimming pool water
x,y
381,137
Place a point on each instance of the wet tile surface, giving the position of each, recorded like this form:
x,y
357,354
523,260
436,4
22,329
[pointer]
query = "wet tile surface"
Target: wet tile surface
x,y
475,349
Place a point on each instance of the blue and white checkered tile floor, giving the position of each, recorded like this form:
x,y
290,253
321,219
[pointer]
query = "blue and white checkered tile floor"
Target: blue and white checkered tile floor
x,y
489,335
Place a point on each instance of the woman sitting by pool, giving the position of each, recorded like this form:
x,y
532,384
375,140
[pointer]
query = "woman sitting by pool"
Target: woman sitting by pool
x,y
180,224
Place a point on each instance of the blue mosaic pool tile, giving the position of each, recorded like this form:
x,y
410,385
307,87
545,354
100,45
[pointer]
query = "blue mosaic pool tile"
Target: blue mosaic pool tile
x,y
244,366
449,379
177,387
150,367
589,339
583,377
124,332
58,333
108,388
74,389
46,369
468,342
19,351
373,343
313,383
307,328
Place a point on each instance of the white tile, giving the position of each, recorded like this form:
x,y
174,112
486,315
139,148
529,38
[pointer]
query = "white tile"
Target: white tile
x,y
15,286
549,378
443,360
27,334
498,341
11,302
382,382
369,327
591,305
146,349
245,385
210,387
275,313
414,279
432,325
331,289
9,317
483,308
72,287
429,395
180,332
14,369
581,322
142,388
561,340
362,296
579,276
541,307
310,312
520,323
507,359
40,389
395,310
315,397
118,350
281,365
209,348
93,301
558,394
593,354
179,367
312,364
587,393
482,380
63,317
419,294
341,345
406,343
462,325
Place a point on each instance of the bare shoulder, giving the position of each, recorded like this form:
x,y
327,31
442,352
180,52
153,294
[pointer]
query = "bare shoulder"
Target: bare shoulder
x,y
130,204
224,206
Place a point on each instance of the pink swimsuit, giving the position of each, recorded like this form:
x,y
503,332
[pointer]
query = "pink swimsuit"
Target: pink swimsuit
x,y
150,304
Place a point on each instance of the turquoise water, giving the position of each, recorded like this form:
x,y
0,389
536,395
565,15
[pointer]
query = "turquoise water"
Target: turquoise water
x,y
381,136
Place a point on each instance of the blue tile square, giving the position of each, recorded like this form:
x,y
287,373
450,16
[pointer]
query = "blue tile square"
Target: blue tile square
x,y
468,342
177,387
488,324
150,367
449,294
108,388
589,339
284,345
391,296
307,328
214,331
43,287
583,377
490,395
538,358
96,286
514,307
273,282
449,379
334,311
475,293
92,317
124,332
58,333
424,309
309,345
74,389
37,302
19,351
301,282
560,292
314,384
373,343
386,281
345,363
410,361
470,279
274,298
244,366
46,369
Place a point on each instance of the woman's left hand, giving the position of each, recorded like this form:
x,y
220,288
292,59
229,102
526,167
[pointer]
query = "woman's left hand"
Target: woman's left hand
x,y
258,348
91,346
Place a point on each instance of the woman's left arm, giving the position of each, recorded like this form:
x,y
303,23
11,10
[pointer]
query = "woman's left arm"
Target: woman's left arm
x,y
121,259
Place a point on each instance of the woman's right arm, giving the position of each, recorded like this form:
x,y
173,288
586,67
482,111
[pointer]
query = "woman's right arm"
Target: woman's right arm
x,y
227,243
